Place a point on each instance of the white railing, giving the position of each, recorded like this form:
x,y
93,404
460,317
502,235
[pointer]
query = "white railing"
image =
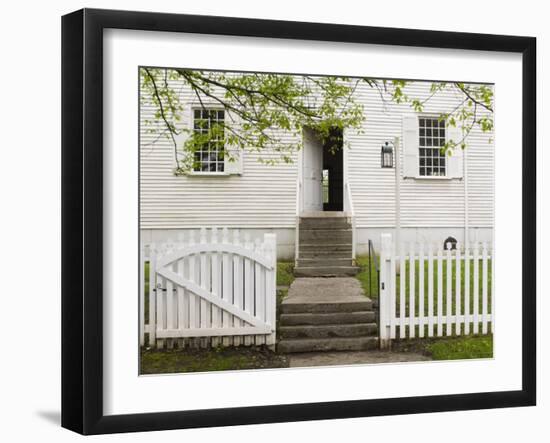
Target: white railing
x,y
436,292
210,292
348,207
298,210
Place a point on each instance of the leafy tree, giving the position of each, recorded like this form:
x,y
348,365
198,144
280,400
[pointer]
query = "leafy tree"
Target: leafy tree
x,y
257,106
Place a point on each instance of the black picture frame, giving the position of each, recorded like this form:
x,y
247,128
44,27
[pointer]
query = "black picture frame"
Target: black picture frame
x,y
82,218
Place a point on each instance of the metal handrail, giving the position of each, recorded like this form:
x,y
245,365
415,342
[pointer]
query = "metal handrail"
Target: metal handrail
x,y
372,256
297,236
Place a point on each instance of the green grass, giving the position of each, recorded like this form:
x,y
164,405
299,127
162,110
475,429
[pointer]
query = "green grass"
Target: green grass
x,y
285,273
203,360
369,286
462,348
448,348
285,277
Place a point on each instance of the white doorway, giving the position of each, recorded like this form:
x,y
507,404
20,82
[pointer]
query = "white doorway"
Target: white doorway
x,y
312,172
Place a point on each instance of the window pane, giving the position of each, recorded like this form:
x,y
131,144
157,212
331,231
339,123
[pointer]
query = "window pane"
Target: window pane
x,y
211,155
431,142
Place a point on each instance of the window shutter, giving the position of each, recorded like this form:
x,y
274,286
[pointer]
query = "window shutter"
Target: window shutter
x,y
183,156
410,146
236,165
455,161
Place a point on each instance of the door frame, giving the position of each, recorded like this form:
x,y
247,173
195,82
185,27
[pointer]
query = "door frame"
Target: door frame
x,y
301,187
300,178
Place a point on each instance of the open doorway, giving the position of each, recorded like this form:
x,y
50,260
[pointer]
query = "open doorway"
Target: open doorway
x,y
333,172
323,171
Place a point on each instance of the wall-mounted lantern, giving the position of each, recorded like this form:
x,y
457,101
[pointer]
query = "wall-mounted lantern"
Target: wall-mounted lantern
x,y
386,155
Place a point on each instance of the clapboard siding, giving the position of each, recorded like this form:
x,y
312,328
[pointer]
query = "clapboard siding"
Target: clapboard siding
x,y
265,196
424,202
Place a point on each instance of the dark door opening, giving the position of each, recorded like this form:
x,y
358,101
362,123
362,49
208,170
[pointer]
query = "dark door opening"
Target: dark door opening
x,y
333,171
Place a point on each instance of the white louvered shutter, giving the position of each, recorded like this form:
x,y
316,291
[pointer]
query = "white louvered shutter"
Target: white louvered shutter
x,y
455,161
236,165
410,146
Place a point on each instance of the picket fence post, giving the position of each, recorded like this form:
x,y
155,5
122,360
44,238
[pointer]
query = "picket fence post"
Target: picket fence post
x,y
142,254
152,295
271,288
386,252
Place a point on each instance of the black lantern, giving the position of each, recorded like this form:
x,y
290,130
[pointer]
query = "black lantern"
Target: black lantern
x,y
386,155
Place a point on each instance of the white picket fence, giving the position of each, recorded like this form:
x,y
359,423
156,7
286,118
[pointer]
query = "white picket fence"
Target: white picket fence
x,y
426,290
214,290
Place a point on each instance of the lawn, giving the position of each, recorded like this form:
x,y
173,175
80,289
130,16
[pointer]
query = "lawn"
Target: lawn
x,y
369,280
449,348
203,360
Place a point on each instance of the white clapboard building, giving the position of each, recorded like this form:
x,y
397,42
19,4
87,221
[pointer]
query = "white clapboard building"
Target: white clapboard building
x,y
344,199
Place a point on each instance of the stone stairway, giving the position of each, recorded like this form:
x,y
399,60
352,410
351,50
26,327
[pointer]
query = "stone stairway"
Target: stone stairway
x,y
325,246
327,314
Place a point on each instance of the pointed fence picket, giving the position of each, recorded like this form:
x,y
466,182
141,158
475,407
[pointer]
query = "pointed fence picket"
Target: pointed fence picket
x,y
439,290
220,290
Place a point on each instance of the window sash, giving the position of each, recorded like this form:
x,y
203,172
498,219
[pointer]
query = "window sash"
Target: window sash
x,y
210,156
432,137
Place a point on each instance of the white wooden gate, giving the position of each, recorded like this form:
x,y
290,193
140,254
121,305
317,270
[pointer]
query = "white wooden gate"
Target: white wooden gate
x,y
436,291
210,292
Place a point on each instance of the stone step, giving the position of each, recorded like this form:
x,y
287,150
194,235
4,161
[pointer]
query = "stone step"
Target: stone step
x,y
327,260
321,255
325,236
329,331
325,306
325,223
323,248
327,318
327,344
326,271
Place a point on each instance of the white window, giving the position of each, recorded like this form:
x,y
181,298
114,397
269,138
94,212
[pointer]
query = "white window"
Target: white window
x,y
209,157
432,137
423,138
